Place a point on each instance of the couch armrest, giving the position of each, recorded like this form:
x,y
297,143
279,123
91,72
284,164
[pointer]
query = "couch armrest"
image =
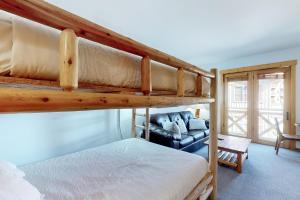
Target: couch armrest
x,y
207,123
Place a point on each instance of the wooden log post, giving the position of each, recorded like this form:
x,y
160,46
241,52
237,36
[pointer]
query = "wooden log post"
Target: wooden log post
x,y
133,123
146,84
147,125
68,60
180,82
199,85
213,136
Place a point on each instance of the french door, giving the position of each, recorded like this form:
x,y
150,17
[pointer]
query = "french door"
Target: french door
x,y
252,101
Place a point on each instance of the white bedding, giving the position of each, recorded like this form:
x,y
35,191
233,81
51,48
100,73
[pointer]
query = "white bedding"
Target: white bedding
x,y
131,169
31,50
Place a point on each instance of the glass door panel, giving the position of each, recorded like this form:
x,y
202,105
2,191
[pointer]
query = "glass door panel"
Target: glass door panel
x,y
270,104
237,107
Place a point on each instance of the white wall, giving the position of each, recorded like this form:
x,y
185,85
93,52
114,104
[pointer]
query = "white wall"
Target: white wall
x,y
271,57
26,138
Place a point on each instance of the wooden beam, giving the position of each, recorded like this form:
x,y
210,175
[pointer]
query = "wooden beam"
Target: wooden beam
x,y
213,136
133,123
16,82
146,83
34,100
260,67
180,82
50,15
68,60
199,85
147,125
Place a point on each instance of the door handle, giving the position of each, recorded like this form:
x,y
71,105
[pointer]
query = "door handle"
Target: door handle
x,y
287,116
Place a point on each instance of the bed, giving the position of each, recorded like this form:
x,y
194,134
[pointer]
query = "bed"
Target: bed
x,y
43,67
132,169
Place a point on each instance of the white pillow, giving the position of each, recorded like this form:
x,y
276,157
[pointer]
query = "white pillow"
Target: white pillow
x,y
10,170
13,186
177,132
197,124
181,125
167,126
173,127
18,189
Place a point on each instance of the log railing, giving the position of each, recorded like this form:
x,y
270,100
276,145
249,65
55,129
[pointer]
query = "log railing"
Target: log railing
x,y
73,25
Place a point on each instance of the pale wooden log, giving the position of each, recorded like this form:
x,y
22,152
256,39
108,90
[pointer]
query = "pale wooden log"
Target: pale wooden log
x,y
200,187
133,123
50,15
33,100
213,136
68,60
199,85
206,194
146,84
44,84
147,125
33,83
140,126
180,82
140,115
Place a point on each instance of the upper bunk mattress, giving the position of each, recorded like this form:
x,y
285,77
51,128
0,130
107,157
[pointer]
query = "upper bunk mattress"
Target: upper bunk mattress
x,y
131,169
31,50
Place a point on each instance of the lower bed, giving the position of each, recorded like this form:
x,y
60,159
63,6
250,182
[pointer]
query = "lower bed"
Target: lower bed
x,y
131,169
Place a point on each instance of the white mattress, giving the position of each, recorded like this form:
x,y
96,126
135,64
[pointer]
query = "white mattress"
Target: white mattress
x,y
31,50
131,169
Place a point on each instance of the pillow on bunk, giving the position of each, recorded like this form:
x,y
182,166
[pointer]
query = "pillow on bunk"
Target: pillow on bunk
x,y
172,127
197,124
10,170
181,125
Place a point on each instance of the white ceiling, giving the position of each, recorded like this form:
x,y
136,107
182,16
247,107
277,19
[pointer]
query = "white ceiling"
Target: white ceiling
x,y
199,31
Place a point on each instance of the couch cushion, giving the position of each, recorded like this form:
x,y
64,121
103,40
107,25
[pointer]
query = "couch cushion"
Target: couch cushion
x,y
207,123
186,140
197,134
186,116
159,119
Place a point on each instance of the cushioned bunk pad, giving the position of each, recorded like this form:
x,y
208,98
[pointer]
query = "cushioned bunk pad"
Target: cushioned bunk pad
x,y
131,169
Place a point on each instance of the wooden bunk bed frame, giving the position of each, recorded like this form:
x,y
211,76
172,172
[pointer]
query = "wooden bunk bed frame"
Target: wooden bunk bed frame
x,y
29,95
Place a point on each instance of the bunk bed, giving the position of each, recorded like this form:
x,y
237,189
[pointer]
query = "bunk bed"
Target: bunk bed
x,y
71,82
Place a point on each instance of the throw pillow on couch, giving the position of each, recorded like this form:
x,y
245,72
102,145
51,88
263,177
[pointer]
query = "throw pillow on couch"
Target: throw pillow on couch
x,y
174,128
197,124
182,126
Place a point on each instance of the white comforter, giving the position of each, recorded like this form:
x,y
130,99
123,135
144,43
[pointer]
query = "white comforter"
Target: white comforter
x,y
31,50
132,169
